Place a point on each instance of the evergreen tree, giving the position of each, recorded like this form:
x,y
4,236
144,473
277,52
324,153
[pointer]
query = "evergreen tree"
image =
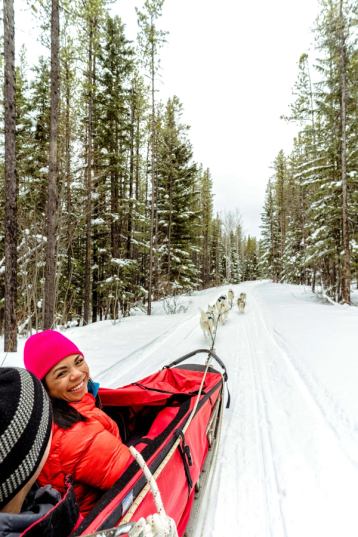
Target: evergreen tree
x,y
135,212
218,272
236,270
329,239
10,339
114,139
38,156
92,16
31,239
315,200
206,210
280,167
250,268
70,224
177,221
52,190
270,265
150,40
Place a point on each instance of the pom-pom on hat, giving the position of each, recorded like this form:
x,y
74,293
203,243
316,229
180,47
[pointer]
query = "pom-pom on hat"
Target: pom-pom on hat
x,y
25,428
45,349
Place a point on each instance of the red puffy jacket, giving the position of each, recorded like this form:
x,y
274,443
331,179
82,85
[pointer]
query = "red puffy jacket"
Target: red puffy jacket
x,y
90,451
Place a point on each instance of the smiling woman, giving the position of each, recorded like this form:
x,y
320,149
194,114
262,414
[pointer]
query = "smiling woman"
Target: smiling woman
x,y
68,380
86,443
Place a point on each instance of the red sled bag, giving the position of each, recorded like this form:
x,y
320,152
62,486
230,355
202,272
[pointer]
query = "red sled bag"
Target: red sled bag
x,y
171,417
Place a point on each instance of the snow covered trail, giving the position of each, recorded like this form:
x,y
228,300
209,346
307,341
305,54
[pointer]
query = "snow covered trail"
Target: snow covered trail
x,y
145,344
287,464
284,470
288,458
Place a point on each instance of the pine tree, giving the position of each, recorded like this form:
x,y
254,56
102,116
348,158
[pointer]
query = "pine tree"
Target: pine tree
x,y
2,202
275,221
270,265
305,164
250,269
217,253
177,221
31,242
329,239
343,87
114,140
10,339
92,16
52,191
150,41
280,167
68,299
293,261
206,210
235,258
38,159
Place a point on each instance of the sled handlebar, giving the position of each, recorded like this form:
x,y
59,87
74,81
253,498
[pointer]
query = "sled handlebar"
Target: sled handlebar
x,y
198,351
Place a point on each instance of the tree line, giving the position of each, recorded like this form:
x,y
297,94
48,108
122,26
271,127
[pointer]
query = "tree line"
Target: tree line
x,y
310,215
103,207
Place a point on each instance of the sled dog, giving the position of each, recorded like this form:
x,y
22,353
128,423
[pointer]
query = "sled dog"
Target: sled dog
x,y
207,322
222,308
230,297
212,310
241,302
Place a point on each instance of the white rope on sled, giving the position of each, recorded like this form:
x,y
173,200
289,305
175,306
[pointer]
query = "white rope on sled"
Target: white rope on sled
x,y
158,524
128,516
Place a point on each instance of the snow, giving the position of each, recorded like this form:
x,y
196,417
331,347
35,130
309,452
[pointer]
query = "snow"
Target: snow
x,y
97,221
288,458
122,262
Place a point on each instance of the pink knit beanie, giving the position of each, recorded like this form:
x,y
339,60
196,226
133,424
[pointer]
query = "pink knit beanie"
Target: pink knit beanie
x,y
44,350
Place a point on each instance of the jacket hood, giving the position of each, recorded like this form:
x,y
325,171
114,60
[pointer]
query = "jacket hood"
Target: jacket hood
x,y
37,504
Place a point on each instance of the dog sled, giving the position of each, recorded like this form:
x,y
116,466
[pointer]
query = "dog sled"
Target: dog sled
x,y
172,419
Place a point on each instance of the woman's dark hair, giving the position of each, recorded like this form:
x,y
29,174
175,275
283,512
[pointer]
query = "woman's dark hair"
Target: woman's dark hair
x,y
64,415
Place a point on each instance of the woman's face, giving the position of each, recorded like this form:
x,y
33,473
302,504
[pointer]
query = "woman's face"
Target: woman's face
x,y
68,379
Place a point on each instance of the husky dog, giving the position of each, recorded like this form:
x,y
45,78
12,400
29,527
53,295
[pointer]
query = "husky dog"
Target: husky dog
x,y
207,321
241,302
212,310
222,307
230,297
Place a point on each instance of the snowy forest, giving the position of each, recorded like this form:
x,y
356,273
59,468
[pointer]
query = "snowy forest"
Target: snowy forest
x,y
310,217
103,207
110,210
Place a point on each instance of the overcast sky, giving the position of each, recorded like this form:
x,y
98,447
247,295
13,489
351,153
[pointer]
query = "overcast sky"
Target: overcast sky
x,y
233,64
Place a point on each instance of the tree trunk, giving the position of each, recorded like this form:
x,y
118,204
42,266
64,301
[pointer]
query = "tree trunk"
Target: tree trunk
x,y
88,252
137,170
115,231
10,340
95,211
346,271
131,180
68,197
52,190
170,223
114,209
152,207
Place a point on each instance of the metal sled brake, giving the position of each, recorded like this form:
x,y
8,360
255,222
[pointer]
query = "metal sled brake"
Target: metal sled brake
x,y
173,419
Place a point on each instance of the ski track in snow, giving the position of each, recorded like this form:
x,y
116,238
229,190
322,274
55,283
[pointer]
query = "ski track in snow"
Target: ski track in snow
x,y
142,356
333,414
292,471
285,467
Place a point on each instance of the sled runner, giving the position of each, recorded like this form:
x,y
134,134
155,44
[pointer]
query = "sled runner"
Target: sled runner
x,y
172,418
